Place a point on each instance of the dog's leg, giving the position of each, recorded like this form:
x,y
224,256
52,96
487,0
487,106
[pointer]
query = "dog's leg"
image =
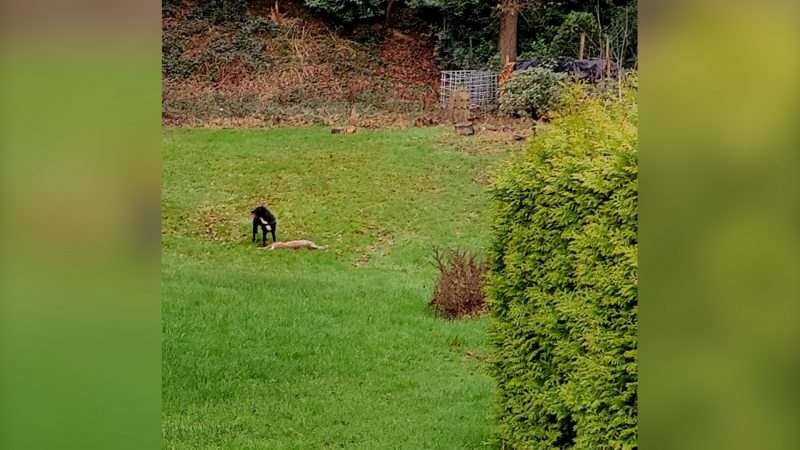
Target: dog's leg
x,y
263,235
272,227
255,231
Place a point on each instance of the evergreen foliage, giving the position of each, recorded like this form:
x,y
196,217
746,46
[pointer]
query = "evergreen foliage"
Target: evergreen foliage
x,y
562,282
532,92
349,10
567,39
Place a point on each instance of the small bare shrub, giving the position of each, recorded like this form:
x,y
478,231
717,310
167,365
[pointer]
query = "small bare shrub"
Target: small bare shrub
x,y
459,290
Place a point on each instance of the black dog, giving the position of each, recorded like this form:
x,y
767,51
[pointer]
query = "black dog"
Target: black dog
x,y
264,219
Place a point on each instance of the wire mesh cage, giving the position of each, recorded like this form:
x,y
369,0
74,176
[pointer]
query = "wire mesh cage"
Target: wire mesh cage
x,y
480,84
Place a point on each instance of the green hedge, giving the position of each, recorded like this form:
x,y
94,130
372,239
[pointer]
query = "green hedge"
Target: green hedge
x,y
562,283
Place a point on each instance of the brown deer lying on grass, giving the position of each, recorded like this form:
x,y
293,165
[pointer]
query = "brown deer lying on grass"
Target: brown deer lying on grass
x,y
294,245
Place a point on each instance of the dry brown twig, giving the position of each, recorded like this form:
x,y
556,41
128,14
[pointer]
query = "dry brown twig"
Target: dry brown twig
x,y
459,289
276,16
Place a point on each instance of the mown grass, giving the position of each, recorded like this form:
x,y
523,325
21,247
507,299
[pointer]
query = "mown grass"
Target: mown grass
x,y
325,349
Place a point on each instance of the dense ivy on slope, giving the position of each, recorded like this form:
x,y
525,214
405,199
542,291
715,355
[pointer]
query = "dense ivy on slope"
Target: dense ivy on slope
x,y
562,283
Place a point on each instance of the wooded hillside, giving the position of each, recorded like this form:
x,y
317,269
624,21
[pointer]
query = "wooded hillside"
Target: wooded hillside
x,y
261,62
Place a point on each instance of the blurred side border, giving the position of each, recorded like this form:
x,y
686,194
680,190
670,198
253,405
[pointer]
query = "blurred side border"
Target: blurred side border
x,y
80,331
719,260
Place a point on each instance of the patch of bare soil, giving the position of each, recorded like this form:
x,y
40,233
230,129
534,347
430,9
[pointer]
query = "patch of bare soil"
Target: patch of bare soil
x,y
493,135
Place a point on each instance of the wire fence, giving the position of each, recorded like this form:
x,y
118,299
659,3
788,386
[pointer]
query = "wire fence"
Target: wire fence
x,y
480,84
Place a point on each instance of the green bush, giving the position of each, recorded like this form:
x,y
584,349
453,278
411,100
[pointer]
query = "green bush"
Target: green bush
x,y
535,48
348,10
532,92
221,11
467,35
562,282
494,63
567,40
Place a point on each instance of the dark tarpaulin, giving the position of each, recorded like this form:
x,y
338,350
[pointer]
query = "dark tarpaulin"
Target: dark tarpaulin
x,y
591,70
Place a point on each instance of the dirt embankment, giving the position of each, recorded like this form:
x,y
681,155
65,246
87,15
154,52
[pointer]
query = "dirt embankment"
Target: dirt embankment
x,y
295,71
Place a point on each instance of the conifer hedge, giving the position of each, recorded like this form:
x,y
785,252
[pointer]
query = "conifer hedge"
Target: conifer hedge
x,y
562,283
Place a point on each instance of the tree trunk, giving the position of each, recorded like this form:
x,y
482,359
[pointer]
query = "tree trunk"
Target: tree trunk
x,y
507,46
388,10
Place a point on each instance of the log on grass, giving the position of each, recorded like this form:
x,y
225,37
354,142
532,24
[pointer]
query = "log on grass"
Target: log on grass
x,y
343,130
426,121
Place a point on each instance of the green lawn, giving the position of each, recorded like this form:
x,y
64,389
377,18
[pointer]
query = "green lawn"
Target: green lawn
x,y
325,349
